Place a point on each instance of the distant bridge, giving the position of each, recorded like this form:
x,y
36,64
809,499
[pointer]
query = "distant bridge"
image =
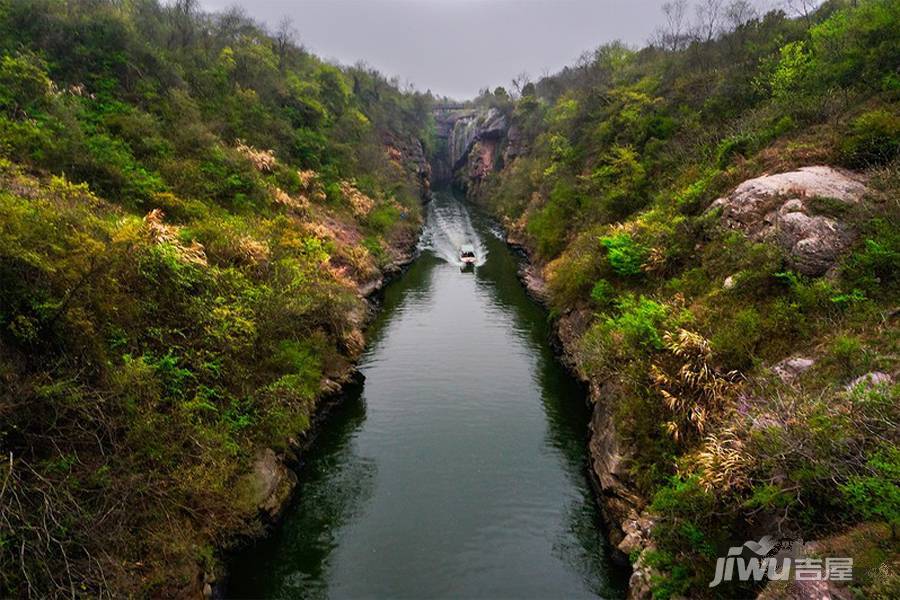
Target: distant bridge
x,y
450,107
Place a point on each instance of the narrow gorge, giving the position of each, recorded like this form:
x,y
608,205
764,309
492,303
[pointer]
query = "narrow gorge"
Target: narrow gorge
x,y
275,325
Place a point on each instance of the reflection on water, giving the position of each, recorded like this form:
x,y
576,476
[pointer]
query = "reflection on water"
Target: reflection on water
x,y
459,468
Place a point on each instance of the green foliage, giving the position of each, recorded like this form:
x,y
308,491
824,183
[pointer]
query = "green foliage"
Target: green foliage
x,y
617,183
687,527
873,269
383,218
638,321
24,85
848,353
165,348
549,225
876,495
792,72
624,254
874,139
602,293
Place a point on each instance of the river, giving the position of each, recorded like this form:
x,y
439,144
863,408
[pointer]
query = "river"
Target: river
x,y
459,467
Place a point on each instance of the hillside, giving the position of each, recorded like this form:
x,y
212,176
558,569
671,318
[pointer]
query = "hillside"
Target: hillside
x,y
191,211
713,220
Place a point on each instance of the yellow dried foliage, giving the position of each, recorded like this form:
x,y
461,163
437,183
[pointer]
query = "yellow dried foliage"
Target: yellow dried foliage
x,y
722,462
341,274
263,160
360,204
696,392
312,187
160,233
656,260
254,251
298,203
307,178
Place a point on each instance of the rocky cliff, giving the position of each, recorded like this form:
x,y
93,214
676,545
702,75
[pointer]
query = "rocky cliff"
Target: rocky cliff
x,y
472,144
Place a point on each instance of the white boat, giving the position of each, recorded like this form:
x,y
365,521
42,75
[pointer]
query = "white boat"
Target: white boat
x,y
467,255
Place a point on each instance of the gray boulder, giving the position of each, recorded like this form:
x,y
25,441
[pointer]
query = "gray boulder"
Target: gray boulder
x,y
790,368
781,209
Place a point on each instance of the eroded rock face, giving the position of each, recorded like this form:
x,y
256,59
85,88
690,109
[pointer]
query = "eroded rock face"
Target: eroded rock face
x,y
609,462
782,209
620,502
515,145
408,153
470,129
272,483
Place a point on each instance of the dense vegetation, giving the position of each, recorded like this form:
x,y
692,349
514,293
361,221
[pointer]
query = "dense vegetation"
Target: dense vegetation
x,y
621,157
188,205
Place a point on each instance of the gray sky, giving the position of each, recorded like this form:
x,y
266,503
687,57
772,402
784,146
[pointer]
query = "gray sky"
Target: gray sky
x,y
456,47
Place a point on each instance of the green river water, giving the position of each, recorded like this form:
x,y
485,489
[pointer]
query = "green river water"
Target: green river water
x,y
459,468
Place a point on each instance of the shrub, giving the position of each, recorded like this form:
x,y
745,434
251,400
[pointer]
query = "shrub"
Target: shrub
x,y
874,269
602,293
24,85
737,339
550,224
624,254
383,217
738,145
639,320
618,183
848,353
569,277
874,139
876,495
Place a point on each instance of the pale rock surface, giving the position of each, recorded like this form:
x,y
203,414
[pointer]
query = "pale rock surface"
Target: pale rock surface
x,y
790,368
778,208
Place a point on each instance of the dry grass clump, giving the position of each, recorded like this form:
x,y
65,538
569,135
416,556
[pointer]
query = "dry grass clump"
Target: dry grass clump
x,y
695,392
160,233
254,251
722,462
312,187
298,203
360,204
263,160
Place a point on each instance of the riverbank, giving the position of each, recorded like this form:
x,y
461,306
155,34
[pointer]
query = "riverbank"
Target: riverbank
x,y
626,528
275,473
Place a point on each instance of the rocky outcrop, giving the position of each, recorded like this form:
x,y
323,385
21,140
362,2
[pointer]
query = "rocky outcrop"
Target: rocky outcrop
x,y
481,161
609,463
515,144
787,209
479,126
469,144
791,368
271,484
628,526
870,380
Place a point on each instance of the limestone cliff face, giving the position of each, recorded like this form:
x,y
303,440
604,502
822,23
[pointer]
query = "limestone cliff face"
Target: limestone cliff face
x,y
471,144
480,126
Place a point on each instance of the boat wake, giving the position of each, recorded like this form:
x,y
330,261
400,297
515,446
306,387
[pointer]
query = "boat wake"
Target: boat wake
x,y
447,227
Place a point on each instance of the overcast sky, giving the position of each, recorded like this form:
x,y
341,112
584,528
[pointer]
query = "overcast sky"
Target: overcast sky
x,y
456,47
